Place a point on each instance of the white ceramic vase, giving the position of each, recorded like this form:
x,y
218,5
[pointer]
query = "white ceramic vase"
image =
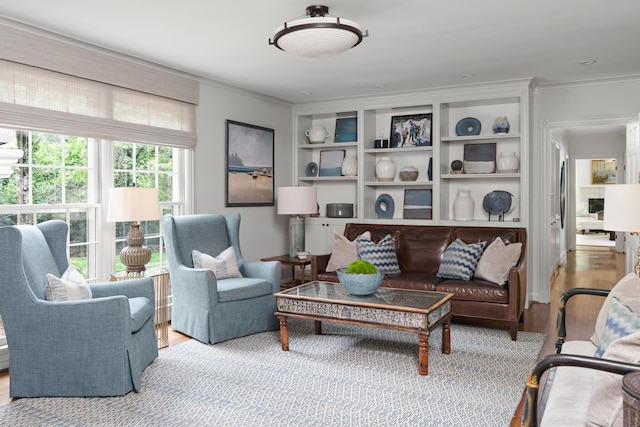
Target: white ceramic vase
x,y
507,162
350,166
463,206
385,169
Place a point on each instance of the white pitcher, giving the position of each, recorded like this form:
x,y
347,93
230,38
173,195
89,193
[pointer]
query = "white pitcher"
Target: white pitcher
x,y
317,134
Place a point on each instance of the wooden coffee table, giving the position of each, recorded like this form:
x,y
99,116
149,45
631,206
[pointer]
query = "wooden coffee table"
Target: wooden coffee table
x,y
398,309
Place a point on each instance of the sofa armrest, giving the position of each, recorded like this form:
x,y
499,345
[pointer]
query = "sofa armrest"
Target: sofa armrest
x,y
530,413
319,265
561,324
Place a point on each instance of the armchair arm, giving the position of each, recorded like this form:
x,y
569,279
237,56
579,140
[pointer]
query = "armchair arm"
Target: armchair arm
x,y
530,413
561,328
199,285
132,288
72,332
319,264
267,270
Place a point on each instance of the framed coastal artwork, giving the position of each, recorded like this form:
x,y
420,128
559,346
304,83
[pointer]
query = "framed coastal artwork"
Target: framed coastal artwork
x,y
603,172
250,155
417,204
346,129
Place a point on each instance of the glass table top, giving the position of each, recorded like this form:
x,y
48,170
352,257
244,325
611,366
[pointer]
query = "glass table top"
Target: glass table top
x,y
384,297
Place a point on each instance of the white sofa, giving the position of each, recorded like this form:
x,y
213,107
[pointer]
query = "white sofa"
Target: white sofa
x,y
587,222
586,390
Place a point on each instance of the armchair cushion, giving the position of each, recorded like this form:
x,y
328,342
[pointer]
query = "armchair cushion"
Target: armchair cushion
x,y
235,289
223,266
622,321
71,286
627,290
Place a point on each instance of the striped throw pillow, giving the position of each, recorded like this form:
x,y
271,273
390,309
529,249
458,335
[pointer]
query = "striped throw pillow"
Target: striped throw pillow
x,y
382,254
460,259
622,321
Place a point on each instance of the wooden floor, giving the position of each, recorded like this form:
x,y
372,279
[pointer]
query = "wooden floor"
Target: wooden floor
x,y
588,267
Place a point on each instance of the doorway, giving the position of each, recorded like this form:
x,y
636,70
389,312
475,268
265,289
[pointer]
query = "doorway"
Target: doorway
x,y
592,175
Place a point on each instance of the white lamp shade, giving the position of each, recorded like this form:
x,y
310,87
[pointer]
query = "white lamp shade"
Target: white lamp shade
x,y
622,207
297,200
133,204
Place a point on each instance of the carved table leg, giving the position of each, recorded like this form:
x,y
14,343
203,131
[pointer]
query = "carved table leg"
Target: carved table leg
x,y
317,327
284,333
446,337
423,352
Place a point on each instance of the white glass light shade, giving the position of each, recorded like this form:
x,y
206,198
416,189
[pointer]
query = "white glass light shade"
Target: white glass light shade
x,y
317,34
8,158
622,207
297,200
133,204
316,37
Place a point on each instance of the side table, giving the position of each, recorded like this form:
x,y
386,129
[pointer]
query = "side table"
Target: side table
x,y
293,262
631,399
161,285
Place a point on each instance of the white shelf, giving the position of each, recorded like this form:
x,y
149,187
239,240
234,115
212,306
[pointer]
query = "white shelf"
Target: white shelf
x,y
480,176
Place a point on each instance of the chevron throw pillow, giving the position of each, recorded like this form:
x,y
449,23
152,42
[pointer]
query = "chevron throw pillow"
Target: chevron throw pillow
x,y
622,321
459,260
382,255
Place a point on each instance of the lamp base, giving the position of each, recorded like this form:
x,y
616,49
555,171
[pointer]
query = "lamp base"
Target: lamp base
x,y
135,256
296,235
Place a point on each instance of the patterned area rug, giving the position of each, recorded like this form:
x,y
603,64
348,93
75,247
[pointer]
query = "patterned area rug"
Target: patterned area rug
x,y
350,375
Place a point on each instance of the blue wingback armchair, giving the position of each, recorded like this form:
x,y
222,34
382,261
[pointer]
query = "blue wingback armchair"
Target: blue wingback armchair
x,y
91,347
213,310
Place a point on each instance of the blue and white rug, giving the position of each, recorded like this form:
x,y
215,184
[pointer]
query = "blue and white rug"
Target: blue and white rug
x,y
349,376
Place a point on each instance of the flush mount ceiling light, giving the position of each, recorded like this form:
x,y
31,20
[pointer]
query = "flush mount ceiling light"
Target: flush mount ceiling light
x,y
317,34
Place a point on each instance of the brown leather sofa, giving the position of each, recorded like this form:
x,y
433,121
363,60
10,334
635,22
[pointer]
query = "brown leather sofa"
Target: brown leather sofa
x,y
420,249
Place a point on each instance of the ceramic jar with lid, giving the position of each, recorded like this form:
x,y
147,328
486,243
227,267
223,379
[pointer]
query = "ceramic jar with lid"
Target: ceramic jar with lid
x,y
385,169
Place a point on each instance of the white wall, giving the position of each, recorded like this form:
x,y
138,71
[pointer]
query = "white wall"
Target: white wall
x,y
262,232
594,103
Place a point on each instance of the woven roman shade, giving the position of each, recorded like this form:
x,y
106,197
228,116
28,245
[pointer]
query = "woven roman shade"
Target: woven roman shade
x,y
51,85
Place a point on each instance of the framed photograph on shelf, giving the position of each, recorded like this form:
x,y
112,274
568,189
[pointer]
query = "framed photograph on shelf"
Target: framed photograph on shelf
x,y
346,130
331,162
250,157
412,130
417,204
603,172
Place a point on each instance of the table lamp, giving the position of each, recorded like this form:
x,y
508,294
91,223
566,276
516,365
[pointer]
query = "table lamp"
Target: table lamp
x,y
622,211
296,201
134,204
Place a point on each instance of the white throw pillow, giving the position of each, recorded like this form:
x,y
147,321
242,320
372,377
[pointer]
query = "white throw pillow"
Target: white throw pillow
x,y
497,260
224,266
71,286
627,290
344,251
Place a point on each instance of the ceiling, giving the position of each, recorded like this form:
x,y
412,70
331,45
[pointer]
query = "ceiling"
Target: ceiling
x,y
412,44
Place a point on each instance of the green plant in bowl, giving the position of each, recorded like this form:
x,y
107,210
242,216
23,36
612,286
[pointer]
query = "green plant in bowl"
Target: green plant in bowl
x,y
360,278
361,266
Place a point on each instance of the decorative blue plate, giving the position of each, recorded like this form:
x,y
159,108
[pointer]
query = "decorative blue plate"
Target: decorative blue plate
x,y
312,169
468,126
497,202
385,206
